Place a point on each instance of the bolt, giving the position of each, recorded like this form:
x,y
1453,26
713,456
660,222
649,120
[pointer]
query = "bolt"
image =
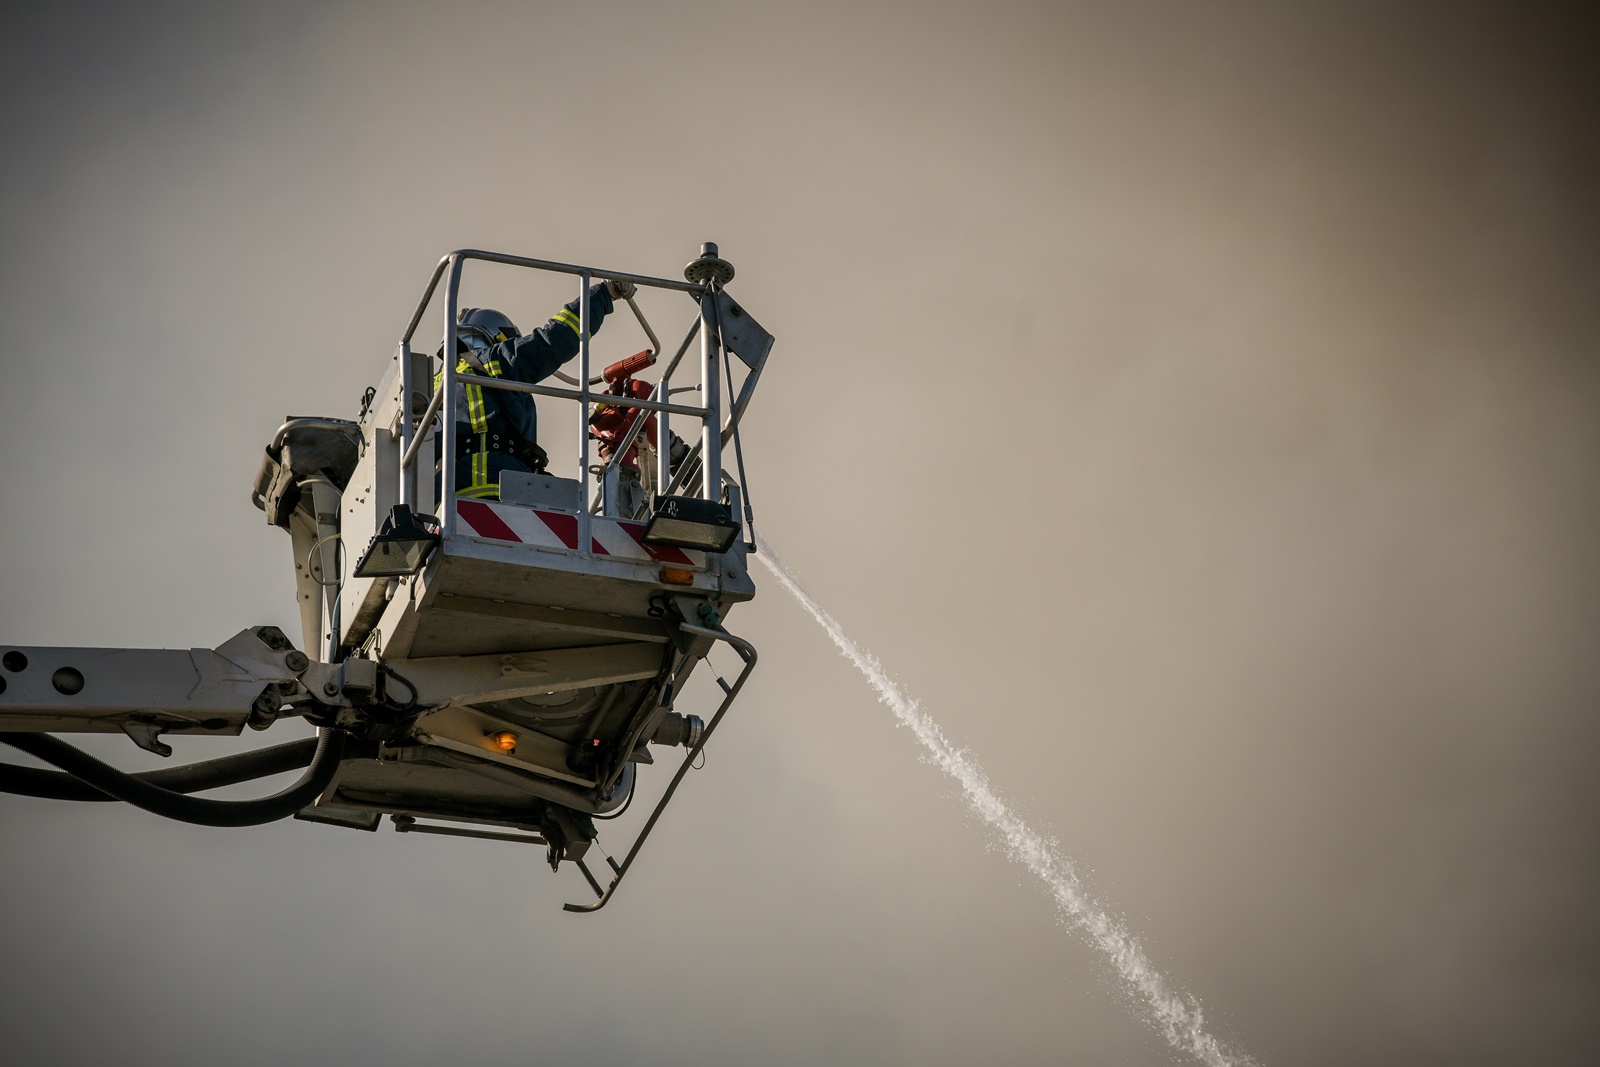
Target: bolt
x,y
331,688
296,661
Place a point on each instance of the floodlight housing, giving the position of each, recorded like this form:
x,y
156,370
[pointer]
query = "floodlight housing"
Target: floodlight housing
x,y
689,522
401,546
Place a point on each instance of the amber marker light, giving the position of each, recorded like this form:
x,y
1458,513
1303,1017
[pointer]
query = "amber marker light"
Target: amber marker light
x,y
674,576
505,741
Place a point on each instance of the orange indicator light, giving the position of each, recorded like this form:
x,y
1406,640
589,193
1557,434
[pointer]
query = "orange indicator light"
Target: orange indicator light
x,y
505,741
675,576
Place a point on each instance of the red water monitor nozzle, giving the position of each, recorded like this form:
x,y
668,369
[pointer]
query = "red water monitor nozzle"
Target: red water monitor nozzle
x,y
627,368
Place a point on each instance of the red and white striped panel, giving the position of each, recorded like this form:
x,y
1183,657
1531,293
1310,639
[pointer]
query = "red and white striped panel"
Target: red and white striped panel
x,y
558,529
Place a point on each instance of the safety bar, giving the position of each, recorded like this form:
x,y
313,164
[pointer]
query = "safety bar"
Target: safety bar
x,y
546,390
581,394
416,440
408,824
747,652
537,264
413,431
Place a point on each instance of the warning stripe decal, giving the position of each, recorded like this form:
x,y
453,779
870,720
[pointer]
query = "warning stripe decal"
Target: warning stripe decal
x,y
484,521
559,529
566,527
664,553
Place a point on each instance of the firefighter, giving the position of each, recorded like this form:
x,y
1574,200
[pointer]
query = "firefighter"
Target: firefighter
x,y
497,429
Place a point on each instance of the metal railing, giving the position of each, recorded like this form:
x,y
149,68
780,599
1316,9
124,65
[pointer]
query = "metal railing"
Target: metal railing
x,y
414,431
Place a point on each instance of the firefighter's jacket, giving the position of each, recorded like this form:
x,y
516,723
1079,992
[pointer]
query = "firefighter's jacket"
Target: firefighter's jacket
x,y
482,415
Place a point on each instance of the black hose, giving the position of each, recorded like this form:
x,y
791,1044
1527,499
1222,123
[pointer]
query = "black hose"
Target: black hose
x,y
173,805
403,680
633,787
189,778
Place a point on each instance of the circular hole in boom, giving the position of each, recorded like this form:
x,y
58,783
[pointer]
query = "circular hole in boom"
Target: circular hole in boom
x,y
15,661
68,681
2,685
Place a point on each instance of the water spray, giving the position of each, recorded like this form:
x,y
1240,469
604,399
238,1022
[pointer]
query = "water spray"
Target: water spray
x,y
1174,1013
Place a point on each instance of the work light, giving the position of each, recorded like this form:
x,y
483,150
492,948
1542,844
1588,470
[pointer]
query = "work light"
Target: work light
x,y
689,522
401,547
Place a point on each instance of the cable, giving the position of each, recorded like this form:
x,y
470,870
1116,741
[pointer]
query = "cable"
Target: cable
x,y
338,560
175,805
189,778
408,683
633,787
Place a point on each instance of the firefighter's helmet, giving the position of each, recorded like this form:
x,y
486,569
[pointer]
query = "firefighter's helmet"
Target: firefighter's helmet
x,y
486,323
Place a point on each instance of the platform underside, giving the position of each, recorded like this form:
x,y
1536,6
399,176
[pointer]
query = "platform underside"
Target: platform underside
x,y
510,583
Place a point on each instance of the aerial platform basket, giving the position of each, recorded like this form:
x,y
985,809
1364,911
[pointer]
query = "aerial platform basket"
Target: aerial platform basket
x,y
495,668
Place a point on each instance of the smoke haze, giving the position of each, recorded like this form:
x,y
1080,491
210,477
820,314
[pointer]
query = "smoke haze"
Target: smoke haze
x,y
1196,406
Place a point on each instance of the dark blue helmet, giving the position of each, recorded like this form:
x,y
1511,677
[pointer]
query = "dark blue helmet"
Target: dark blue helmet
x,y
486,323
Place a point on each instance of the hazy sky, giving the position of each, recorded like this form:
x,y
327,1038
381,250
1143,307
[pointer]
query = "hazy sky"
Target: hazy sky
x,y
1196,406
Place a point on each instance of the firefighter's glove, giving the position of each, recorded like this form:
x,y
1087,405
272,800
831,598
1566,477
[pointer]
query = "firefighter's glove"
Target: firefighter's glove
x,y
677,451
620,290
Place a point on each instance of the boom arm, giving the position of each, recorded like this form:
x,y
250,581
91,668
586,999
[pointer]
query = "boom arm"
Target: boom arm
x,y
147,692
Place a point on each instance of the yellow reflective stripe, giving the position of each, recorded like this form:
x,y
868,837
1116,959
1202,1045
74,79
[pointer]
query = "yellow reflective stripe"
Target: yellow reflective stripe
x,y
477,414
478,484
493,367
567,319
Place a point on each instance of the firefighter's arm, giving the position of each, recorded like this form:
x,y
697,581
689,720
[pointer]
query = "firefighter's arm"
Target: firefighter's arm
x,y
535,356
